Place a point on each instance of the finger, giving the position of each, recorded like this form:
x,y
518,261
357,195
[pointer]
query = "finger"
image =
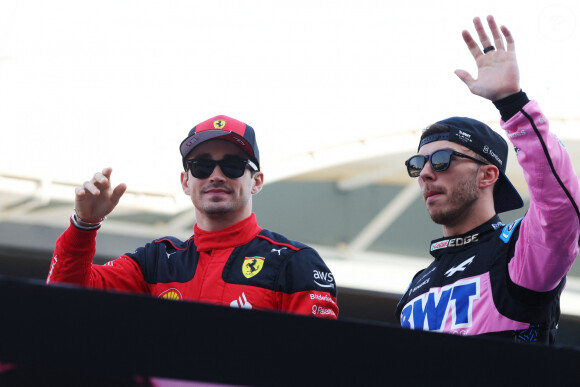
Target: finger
x,y
107,172
497,38
89,187
509,39
465,77
100,180
117,193
471,44
483,38
80,193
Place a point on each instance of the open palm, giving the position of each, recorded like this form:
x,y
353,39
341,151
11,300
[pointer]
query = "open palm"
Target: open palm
x,y
497,70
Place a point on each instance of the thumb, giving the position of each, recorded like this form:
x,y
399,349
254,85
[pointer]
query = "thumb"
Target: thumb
x,y
117,193
465,77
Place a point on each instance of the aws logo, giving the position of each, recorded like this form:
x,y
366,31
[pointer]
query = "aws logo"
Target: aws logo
x,y
171,294
252,266
324,277
431,311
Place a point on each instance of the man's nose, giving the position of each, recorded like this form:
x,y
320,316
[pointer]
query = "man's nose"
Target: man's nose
x,y
217,174
427,173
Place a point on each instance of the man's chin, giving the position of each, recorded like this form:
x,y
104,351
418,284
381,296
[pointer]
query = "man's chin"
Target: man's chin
x,y
437,217
214,208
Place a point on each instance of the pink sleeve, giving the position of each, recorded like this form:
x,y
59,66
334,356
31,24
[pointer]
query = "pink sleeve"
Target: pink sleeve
x,y
548,238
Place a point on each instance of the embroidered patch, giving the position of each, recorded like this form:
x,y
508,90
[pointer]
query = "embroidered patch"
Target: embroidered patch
x,y
508,230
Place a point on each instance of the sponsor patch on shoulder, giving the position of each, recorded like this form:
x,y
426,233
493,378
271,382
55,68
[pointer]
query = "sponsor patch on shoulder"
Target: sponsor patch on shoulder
x,y
508,230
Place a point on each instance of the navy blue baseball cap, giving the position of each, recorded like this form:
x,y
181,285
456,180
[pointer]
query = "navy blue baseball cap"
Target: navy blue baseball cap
x,y
222,128
481,139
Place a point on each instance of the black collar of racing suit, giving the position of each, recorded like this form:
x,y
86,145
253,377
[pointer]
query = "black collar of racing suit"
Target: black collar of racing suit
x,y
444,245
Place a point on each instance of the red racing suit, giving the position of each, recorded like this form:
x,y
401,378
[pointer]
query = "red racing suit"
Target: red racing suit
x,y
240,266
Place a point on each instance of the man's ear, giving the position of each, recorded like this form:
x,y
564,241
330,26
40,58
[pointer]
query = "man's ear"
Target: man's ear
x,y
184,185
257,182
490,174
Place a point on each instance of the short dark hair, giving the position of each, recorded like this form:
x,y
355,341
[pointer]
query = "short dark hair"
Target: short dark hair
x,y
433,129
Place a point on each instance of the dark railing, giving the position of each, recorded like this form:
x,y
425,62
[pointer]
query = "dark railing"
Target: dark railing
x,y
62,330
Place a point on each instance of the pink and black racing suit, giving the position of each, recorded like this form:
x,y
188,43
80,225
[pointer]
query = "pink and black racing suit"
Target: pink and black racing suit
x,y
506,280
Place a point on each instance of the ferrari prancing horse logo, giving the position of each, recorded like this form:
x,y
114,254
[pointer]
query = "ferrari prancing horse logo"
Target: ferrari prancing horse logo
x,y
252,266
219,124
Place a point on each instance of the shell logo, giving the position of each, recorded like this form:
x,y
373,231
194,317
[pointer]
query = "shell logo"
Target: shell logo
x,y
171,294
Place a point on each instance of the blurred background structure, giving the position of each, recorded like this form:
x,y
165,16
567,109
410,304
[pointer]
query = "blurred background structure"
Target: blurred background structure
x,y
337,91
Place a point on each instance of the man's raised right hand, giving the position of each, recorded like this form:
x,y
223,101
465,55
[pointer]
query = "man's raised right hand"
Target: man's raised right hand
x,y
96,198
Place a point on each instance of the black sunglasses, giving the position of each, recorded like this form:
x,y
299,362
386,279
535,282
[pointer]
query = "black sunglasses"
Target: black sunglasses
x,y
440,160
232,167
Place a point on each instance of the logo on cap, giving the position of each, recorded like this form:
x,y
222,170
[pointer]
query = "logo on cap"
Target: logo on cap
x,y
487,150
219,124
463,136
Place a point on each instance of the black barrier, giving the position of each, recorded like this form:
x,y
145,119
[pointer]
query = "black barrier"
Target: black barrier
x,y
77,331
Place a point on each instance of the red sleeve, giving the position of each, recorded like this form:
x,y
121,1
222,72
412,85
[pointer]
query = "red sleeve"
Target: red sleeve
x,y
307,286
72,263
312,303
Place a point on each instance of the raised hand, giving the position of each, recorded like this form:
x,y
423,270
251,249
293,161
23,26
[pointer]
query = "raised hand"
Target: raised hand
x,y
96,198
497,70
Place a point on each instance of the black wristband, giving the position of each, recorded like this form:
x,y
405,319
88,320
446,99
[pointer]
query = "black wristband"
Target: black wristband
x,y
510,105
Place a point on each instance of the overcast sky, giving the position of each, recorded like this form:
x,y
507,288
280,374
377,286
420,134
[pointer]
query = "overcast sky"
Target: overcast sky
x,y
85,85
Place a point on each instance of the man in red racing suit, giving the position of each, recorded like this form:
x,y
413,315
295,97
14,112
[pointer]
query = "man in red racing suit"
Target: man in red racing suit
x,y
229,261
